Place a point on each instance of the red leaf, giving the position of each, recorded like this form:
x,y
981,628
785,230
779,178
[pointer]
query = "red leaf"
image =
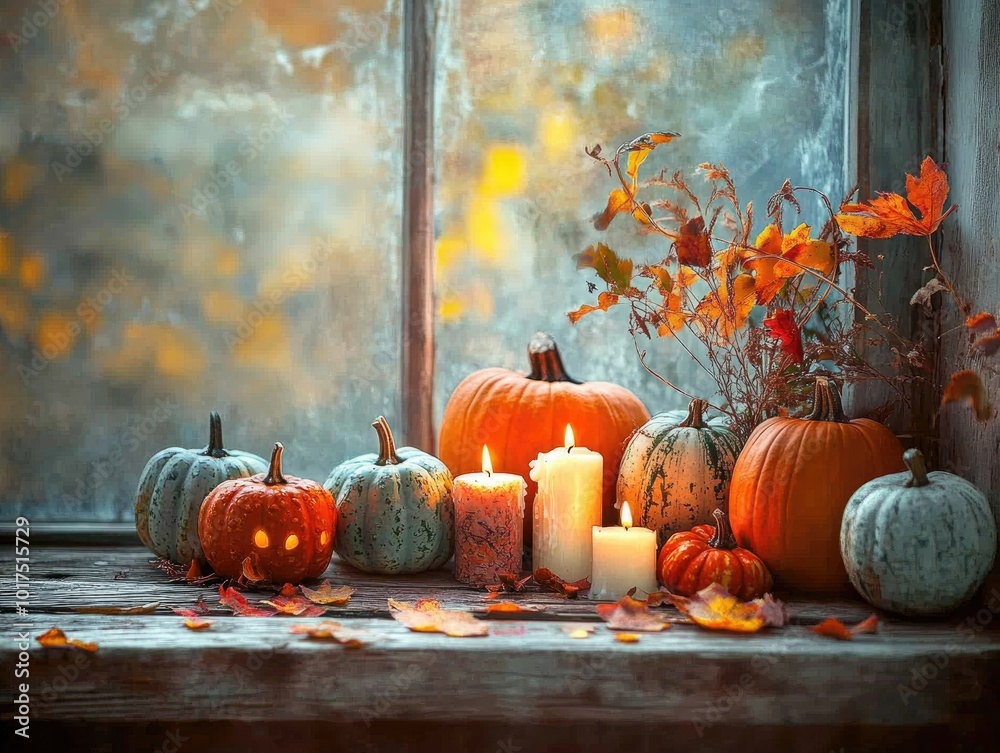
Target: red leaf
x,y
782,326
230,597
251,570
982,322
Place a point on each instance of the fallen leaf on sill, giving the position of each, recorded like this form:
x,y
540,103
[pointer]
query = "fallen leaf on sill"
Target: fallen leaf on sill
x,y
579,634
773,612
632,615
427,616
509,607
296,605
328,595
230,597
831,627
251,572
626,637
144,609
56,638
200,609
334,631
509,583
714,608
196,623
574,630
179,573
549,581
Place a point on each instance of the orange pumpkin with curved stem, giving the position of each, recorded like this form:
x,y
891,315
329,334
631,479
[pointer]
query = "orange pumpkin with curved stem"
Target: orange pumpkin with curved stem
x,y
284,523
520,415
793,480
692,560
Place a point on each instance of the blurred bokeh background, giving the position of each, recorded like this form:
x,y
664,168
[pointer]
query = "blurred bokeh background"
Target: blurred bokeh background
x,y
200,207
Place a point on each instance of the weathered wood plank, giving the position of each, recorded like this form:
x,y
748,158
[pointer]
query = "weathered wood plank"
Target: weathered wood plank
x,y
244,668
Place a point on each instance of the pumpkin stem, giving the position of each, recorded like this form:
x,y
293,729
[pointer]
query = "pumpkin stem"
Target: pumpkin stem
x,y
914,460
696,411
386,442
723,537
214,447
546,363
827,405
274,476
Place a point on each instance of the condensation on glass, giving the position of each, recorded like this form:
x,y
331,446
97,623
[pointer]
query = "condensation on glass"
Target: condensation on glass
x,y
200,210
525,85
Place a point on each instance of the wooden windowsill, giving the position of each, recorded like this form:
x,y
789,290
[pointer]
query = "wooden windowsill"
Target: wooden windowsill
x,y
150,669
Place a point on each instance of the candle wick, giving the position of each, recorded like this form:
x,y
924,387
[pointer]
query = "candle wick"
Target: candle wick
x,y
570,449
489,473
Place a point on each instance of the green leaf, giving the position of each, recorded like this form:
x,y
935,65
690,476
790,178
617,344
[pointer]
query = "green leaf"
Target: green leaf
x,y
617,273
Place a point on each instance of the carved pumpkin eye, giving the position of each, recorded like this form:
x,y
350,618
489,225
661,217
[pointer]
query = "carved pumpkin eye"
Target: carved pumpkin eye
x,y
260,538
323,538
291,542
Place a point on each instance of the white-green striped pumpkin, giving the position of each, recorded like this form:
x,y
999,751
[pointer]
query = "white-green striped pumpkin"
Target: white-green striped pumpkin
x,y
676,470
173,485
395,513
917,543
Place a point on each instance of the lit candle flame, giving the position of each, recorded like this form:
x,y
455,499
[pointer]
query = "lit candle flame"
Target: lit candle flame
x,y
487,463
626,516
569,442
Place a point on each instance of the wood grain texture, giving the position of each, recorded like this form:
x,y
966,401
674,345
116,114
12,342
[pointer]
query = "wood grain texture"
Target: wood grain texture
x,y
526,672
971,238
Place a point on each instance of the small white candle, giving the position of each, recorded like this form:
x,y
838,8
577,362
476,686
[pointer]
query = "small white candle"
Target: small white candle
x,y
624,558
566,507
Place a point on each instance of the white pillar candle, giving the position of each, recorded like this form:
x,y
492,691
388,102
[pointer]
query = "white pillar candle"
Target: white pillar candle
x,y
566,507
624,558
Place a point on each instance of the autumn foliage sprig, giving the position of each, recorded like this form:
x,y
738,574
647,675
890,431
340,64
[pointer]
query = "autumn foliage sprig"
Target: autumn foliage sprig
x,y
761,315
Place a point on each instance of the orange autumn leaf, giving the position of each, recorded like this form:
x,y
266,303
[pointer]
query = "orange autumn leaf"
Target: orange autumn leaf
x,y
989,343
966,386
714,608
770,268
197,623
333,631
725,314
889,213
328,595
631,614
693,248
604,301
981,322
831,627
781,325
427,616
509,607
251,571
618,201
635,159
626,637
56,638
194,571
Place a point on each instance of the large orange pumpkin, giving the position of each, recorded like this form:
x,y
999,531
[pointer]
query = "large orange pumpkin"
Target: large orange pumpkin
x,y
792,482
520,415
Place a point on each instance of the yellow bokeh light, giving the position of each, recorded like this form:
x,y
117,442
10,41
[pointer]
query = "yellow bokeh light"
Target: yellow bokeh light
x,y
505,169
32,272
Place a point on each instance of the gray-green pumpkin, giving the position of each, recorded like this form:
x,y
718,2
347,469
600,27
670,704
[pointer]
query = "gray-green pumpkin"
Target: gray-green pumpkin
x,y
394,509
918,543
173,485
676,470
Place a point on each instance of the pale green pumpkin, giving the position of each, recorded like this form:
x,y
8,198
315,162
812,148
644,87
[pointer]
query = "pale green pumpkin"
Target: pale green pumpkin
x,y
676,470
173,485
918,543
394,509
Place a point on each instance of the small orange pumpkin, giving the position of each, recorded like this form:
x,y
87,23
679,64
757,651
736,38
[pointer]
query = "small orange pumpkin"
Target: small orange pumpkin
x,y
692,560
792,482
285,524
520,415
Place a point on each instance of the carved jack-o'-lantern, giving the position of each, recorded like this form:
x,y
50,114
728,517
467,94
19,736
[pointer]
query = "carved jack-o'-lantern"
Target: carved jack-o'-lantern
x,y
283,523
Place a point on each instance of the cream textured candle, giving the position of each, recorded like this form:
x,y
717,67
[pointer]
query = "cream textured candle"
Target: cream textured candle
x,y
624,558
566,508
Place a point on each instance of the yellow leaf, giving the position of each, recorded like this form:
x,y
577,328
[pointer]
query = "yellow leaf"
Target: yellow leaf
x,y
604,302
635,159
